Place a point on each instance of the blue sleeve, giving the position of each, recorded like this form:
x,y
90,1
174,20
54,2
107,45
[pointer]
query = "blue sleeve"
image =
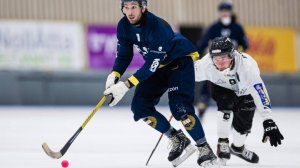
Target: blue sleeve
x,y
124,52
243,41
203,43
159,40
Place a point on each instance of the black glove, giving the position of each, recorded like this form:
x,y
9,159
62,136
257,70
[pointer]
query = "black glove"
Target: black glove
x,y
272,133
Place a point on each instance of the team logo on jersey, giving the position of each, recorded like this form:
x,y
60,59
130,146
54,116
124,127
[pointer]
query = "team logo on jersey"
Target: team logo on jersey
x,y
142,50
160,48
220,82
262,94
154,65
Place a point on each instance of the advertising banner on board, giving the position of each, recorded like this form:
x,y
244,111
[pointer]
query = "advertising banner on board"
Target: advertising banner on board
x,y
274,49
39,45
102,48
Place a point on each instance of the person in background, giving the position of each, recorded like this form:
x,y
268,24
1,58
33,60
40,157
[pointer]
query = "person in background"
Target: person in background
x,y
225,26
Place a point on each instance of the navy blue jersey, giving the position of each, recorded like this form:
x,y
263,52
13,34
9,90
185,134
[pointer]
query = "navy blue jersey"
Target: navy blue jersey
x,y
234,31
156,42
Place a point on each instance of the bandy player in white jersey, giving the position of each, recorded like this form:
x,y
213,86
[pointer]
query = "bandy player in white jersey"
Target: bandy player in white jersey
x,y
238,90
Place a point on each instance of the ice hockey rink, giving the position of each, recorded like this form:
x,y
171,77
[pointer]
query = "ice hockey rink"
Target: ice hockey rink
x,y
112,139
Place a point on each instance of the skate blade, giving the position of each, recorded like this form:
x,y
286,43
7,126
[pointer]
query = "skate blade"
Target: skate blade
x,y
222,162
210,164
188,151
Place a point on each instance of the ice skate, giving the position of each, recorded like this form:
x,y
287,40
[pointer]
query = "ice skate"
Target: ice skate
x,y
181,148
206,156
244,153
223,151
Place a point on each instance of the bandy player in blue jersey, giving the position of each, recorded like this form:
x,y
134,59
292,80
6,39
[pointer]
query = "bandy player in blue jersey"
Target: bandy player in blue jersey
x,y
168,67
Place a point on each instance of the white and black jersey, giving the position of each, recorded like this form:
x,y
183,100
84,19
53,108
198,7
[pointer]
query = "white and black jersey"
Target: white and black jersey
x,y
243,78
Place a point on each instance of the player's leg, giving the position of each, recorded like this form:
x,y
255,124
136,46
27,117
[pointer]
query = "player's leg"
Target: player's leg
x,y
242,123
181,98
226,100
147,95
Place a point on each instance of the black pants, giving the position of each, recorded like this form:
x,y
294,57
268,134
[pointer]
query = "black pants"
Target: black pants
x,y
243,107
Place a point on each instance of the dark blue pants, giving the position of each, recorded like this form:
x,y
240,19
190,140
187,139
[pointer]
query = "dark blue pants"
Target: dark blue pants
x,y
178,79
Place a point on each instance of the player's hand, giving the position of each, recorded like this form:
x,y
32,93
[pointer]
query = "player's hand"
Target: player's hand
x,y
271,133
117,91
111,80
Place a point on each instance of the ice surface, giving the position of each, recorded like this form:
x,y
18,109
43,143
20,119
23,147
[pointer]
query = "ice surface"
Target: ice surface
x,y
112,139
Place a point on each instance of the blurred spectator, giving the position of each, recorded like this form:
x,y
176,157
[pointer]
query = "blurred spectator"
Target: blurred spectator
x,y
225,26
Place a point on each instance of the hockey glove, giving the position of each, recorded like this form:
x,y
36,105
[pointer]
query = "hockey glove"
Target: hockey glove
x,y
117,91
271,133
111,80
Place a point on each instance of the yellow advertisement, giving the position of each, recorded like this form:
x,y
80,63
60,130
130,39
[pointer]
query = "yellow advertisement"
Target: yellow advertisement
x,y
273,49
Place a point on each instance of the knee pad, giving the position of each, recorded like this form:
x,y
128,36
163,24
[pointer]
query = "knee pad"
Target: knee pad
x,y
242,129
151,121
188,122
246,105
244,114
158,122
